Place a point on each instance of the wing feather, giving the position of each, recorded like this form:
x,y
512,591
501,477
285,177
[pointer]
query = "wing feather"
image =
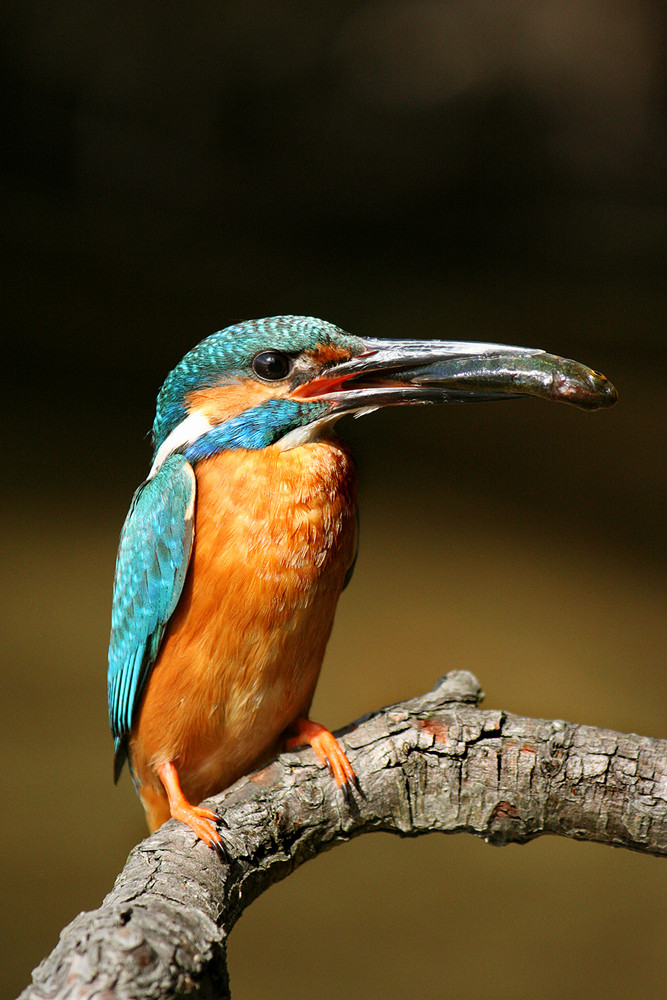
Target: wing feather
x,y
153,556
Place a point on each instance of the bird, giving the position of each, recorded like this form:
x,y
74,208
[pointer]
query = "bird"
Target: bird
x,y
239,542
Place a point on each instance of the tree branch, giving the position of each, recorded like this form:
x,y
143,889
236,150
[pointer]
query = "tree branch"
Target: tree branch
x,y
435,763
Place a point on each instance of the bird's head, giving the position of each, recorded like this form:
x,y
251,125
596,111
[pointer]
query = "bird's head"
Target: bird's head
x,y
284,379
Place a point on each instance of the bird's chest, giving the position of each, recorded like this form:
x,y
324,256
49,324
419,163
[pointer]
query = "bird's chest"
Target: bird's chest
x,y
274,524
275,534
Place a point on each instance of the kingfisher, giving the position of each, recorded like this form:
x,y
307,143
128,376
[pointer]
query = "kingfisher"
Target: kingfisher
x,y
239,542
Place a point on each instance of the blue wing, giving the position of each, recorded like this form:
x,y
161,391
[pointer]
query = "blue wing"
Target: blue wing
x,y
153,557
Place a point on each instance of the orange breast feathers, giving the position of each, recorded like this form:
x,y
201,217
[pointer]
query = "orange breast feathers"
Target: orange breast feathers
x,y
275,534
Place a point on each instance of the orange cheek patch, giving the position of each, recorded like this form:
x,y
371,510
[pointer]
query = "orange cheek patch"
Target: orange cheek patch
x,y
328,352
219,403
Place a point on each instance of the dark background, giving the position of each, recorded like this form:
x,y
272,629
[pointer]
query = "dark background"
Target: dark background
x,y
489,171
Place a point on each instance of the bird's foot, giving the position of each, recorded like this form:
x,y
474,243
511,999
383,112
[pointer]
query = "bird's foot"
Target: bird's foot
x,y
327,748
203,822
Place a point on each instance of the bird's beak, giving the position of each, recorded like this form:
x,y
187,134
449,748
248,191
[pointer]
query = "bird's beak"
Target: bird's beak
x,y
394,372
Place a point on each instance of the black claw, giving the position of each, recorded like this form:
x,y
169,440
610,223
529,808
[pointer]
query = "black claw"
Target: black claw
x,y
347,789
218,846
346,793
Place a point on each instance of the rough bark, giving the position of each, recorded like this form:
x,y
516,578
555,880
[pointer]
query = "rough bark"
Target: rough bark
x,y
435,763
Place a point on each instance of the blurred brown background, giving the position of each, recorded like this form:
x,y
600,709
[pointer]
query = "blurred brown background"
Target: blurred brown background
x,y
472,170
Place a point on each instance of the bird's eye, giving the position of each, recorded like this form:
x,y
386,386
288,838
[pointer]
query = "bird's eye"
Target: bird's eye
x,y
272,365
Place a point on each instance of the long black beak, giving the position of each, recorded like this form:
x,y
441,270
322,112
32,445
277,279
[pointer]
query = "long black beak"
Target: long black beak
x,y
394,372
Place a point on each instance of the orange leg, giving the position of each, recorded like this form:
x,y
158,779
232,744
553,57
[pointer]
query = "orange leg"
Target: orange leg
x,y
201,821
325,745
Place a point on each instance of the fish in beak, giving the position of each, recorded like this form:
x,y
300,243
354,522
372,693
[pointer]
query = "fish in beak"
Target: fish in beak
x,y
396,372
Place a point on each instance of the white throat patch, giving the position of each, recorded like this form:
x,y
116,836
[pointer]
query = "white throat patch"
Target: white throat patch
x,y
305,434
311,432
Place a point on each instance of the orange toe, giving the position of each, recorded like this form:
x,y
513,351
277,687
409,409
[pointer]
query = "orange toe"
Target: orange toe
x,y
325,745
202,822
